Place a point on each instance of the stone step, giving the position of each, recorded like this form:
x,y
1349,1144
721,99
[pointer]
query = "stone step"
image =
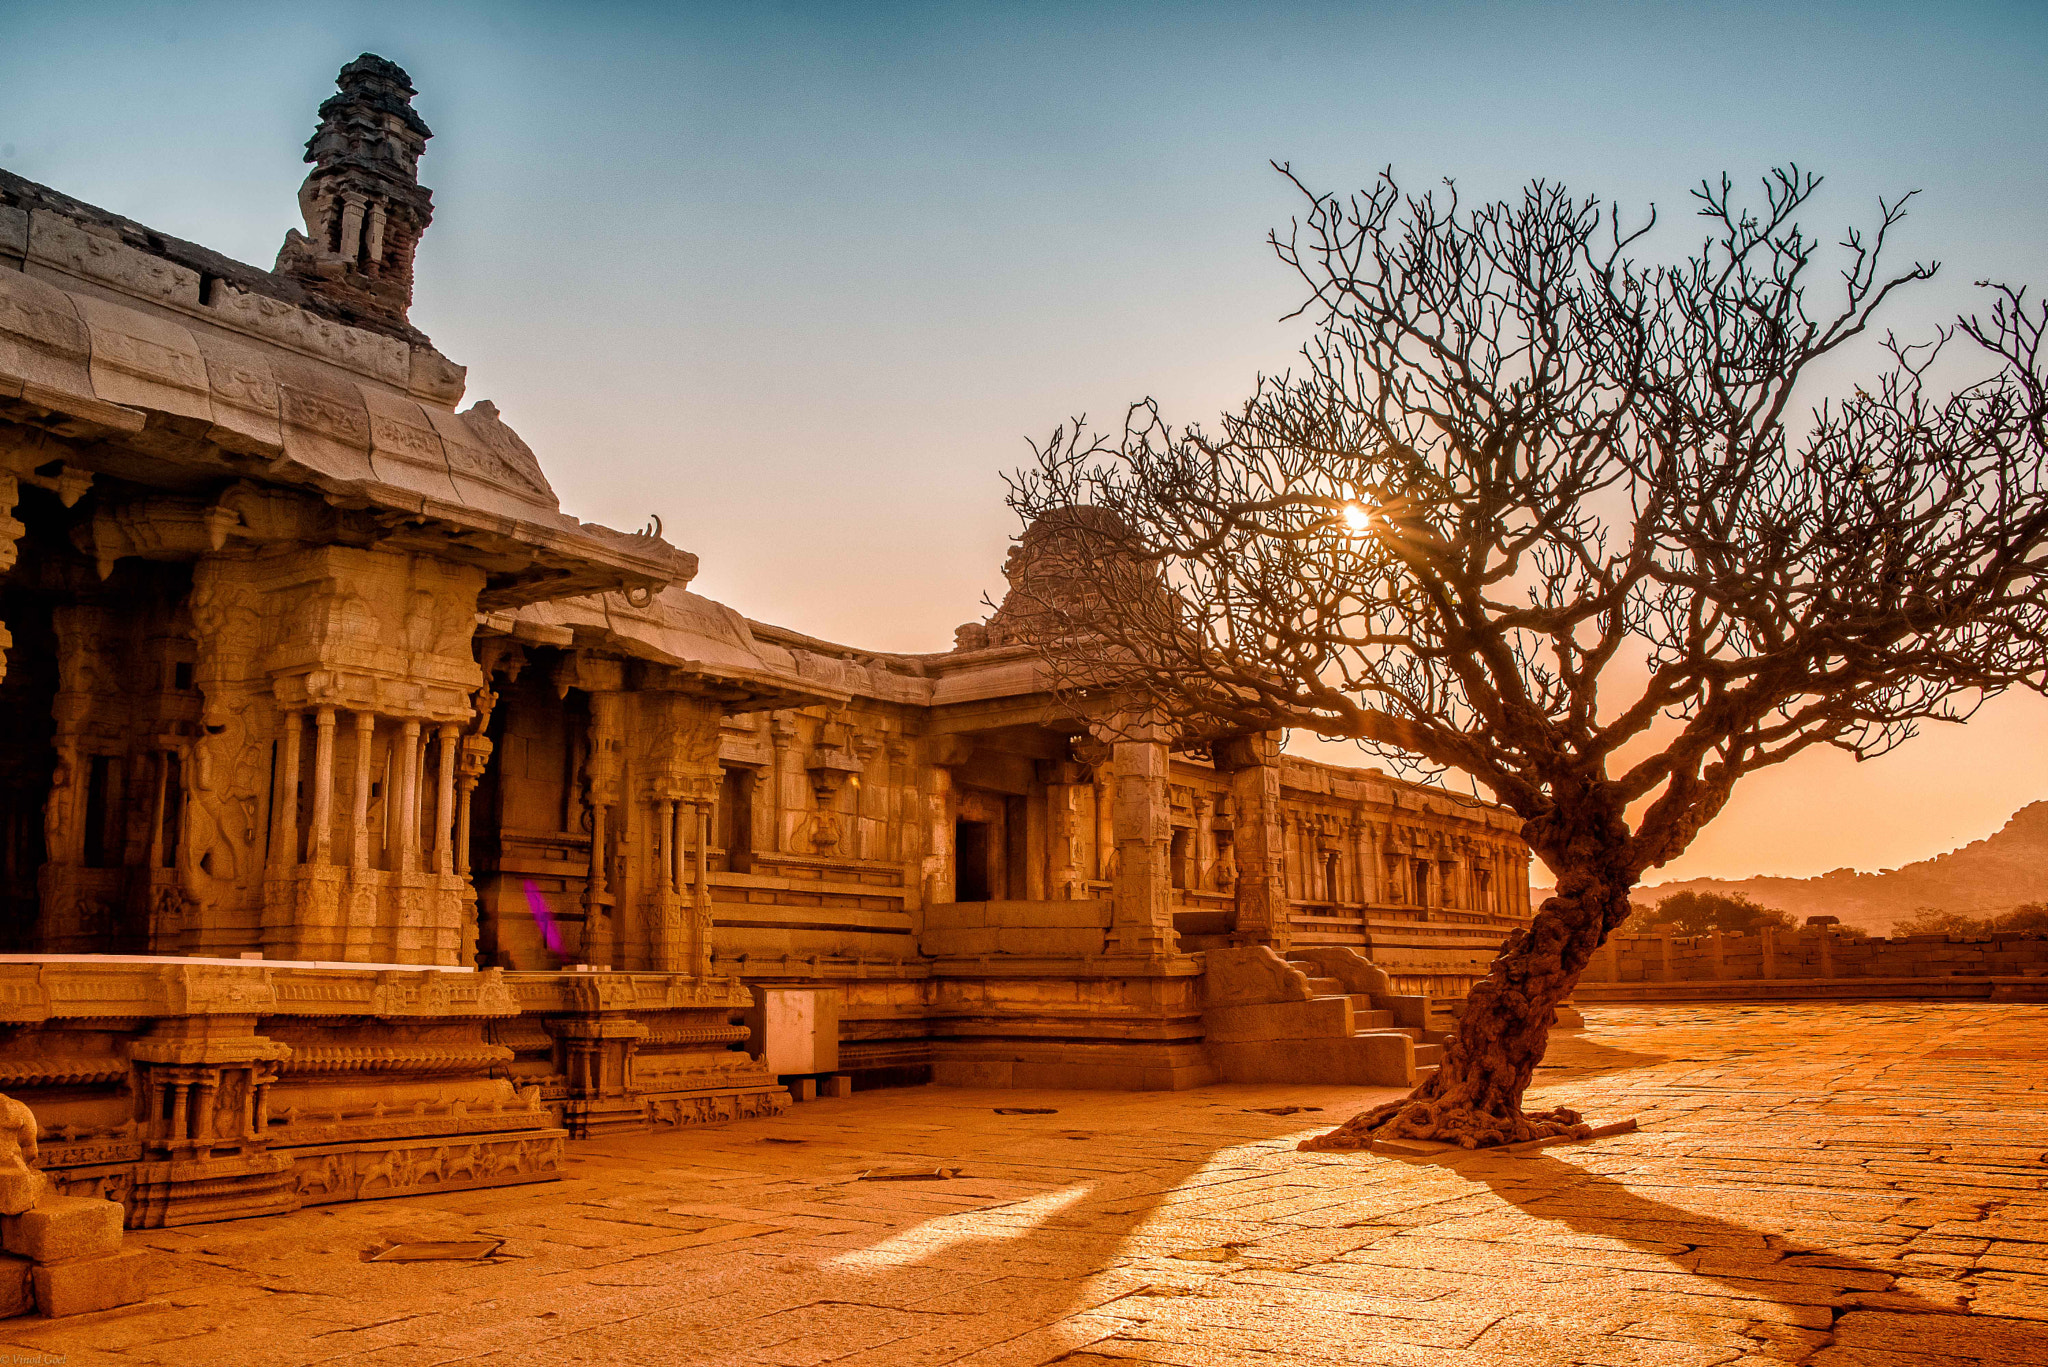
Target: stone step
x,y
1365,1019
1359,1027
1423,1074
1326,987
1429,1054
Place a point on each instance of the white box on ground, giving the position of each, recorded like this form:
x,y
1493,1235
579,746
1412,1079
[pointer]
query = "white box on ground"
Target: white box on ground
x,y
795,1029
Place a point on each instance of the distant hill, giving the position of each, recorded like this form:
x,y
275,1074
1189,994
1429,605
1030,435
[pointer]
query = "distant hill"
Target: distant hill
x,y
1982,878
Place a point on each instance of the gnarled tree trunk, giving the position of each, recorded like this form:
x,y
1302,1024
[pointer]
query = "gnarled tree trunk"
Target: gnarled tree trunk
x,y
1475,1098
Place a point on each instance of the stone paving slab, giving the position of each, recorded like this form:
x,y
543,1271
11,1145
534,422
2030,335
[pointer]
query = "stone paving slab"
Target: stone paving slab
x,y
1843,1185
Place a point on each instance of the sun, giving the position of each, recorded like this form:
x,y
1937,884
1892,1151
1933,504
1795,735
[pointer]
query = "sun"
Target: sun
x,y
1357,517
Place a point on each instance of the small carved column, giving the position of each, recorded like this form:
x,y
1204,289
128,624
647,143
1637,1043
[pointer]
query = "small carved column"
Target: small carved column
x,y
284,824
322,851
359,799
789,779
444,800
408,806
351,245
1105,818
206,1089
1367,852
668,859
1202,877
181,1110
261,1079
941,878
601,773
700,920
667,953
1065,839
681,823
475,757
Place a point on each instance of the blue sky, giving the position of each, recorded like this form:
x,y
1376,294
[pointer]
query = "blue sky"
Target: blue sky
x,y
801,278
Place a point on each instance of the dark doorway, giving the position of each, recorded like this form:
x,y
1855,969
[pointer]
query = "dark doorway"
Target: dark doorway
x,y
27,759
735,833
971,865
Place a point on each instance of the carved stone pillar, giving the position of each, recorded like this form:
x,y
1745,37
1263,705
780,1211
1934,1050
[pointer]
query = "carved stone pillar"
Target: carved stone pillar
x,y
27,456
90,712
284,822
474,757
359,799
668,859
700,919
667,952
790,779
1141,918
601,778
940,875
322,842
1257,840
679,826
1202,877
1367,859
375,633
408,809
444,800
1068,827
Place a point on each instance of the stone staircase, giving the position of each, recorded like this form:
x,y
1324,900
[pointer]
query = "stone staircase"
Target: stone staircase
x,y
1323,1015
1369,1018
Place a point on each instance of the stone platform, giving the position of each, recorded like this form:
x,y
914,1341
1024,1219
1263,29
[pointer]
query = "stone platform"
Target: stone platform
x,y
1831,1184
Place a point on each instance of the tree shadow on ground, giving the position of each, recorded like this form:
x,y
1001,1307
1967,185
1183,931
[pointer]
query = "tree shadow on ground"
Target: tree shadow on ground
x,y
976,1268
1862,1295
1571,1057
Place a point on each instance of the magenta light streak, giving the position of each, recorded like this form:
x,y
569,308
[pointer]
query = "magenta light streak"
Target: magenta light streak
x,y
550,932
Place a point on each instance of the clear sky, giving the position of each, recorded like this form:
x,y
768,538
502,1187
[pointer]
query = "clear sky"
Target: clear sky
x,y
802,277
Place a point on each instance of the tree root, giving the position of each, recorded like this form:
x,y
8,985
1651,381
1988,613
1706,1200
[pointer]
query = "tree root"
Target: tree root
x,y
1432,1120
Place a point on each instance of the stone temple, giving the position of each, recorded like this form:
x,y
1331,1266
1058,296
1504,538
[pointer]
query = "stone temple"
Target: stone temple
x,y
369,825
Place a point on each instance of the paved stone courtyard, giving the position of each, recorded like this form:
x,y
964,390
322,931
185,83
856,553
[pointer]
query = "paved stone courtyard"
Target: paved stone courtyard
x,y
1813,1183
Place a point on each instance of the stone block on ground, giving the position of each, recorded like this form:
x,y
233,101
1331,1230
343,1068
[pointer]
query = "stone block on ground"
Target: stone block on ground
x,y
1321,1018
80,1286
17,1292
63,1227
1372,1059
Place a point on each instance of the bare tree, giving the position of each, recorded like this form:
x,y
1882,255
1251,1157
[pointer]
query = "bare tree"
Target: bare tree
x,y
1569,523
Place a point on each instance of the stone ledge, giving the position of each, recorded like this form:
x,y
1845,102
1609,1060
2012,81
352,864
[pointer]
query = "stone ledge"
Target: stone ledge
x,y
2021,989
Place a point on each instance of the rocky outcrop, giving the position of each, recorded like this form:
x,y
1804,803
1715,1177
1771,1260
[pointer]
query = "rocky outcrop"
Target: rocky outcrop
x,y
1984,878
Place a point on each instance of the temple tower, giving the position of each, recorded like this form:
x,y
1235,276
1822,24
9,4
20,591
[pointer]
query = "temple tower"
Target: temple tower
x,y
364,206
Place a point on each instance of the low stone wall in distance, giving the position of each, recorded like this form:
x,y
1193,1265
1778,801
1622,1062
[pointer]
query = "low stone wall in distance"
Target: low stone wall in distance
x,y
1816,962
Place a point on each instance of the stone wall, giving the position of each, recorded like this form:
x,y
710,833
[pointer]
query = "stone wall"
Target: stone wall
x,y
193,1091
1816,958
